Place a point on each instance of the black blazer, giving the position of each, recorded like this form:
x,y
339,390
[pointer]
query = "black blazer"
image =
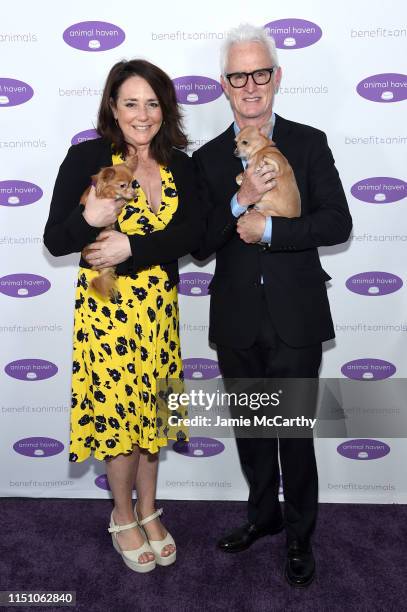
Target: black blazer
x,y
293,277
67,231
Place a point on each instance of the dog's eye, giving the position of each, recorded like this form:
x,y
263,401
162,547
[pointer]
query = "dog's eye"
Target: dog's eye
x,y
123,185
245,142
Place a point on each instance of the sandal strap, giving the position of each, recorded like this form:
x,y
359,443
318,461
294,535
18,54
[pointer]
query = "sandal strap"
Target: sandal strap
x,y
116,528
158,545
151,517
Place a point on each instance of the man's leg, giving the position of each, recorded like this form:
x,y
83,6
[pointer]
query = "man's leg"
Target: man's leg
x,y
297,456
258,456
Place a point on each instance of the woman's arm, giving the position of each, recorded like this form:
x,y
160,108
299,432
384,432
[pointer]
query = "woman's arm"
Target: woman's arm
x,y
181,235
66,230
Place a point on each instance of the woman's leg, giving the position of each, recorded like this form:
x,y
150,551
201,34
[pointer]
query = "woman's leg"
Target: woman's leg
x,y
121,471
146,485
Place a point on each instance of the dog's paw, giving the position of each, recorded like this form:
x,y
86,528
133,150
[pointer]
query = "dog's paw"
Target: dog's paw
x,y
239,178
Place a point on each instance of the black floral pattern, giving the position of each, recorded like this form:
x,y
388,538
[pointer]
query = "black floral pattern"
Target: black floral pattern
x,y
123,346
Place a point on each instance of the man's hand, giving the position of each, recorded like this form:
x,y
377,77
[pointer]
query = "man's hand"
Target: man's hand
x,y
250,226
256,182
110,249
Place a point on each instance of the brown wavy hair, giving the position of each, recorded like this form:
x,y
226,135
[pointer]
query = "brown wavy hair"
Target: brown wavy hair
x,y
170,134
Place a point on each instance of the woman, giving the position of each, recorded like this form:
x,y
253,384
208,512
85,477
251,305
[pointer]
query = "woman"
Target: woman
x,y
123,345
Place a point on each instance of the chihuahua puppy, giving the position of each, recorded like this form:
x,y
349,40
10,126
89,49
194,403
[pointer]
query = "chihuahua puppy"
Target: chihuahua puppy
x,y
113,182
253,145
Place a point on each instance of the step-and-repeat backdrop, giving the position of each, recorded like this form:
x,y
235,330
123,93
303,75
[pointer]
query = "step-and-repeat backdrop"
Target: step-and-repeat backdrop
x,y
343,73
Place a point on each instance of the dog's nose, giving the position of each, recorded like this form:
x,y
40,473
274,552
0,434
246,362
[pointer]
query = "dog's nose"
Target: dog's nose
x,y
236,152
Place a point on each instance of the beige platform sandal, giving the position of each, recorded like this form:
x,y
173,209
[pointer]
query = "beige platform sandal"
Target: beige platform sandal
x,y
158,545
131,557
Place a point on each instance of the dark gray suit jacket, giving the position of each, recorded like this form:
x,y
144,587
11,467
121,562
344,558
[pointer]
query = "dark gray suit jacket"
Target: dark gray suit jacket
x,y
293,277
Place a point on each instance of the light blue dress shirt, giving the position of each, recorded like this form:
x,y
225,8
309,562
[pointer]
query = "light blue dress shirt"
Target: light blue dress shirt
x,y
238,210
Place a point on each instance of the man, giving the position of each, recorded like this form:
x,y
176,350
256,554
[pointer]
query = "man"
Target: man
x,y
269,310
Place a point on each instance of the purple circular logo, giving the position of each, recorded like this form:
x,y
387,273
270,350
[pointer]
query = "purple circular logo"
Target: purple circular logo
x,y
293,33
363,449
380,190
368,369
13,92
31,369
102,482
200,368
197,89
199,447
19,193
23,285
194,283
85,135
38,447
388,87
93,36
374,283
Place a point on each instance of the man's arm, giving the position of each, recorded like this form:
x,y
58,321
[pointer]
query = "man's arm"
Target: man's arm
x,y
329,221
181,235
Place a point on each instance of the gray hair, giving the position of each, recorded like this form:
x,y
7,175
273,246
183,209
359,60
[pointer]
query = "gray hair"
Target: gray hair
x,y
244,33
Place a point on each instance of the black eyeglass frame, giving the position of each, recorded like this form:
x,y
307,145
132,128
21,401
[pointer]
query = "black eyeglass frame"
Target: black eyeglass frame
x,y
247,74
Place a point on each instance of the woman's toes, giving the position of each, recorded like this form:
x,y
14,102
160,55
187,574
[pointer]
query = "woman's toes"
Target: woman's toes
x,y
146,558
167,550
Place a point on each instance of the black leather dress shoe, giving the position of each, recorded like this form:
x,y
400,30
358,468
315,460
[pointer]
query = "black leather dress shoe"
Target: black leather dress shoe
x,y
300,566
243,537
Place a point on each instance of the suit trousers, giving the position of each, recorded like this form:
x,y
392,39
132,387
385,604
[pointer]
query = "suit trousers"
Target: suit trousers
x,y
269,358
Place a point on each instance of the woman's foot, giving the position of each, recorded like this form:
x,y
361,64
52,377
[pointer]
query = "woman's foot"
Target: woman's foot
x,y
154,529
131,539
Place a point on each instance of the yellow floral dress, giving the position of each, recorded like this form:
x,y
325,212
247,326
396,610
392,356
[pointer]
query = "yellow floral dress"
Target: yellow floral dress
x,y
122,347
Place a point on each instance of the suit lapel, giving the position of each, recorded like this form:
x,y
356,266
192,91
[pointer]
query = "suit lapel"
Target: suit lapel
x,y
281,133
227,145
229,166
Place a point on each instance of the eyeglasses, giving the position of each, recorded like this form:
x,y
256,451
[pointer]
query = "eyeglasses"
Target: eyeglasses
x,y
260,77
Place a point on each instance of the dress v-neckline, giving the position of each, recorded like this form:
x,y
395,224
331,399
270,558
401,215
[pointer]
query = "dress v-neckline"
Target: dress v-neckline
x,y
145,195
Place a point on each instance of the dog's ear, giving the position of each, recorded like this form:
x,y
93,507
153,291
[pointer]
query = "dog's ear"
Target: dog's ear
x,y
266,129
107,174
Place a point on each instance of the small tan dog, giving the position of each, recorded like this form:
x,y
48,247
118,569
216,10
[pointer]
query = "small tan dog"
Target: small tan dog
x,y
113,182
253,145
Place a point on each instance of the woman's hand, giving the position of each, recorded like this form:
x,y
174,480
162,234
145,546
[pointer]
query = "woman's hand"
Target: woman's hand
x,y
110,249
100,212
